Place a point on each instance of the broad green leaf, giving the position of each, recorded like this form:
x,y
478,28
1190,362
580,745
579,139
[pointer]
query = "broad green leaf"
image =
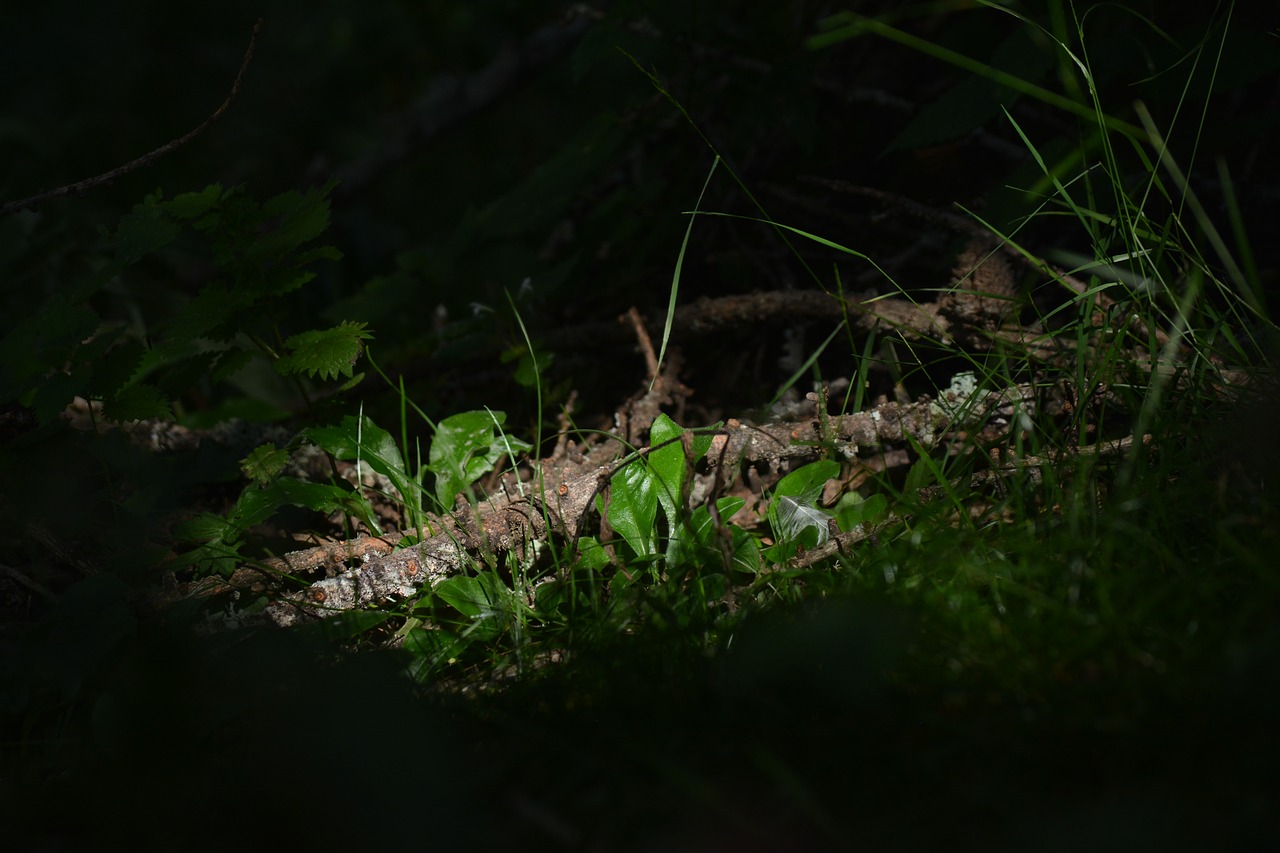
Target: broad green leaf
x,y
853,509
345,625
633,507
481,595
256,505
206,527
360,438
430,647
793,513
668,466
466,446
701,545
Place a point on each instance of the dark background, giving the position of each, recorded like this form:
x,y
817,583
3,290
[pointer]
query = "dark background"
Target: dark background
x,y
574,171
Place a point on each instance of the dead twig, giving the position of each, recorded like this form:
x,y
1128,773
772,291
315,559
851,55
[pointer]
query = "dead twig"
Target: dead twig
x,y
79,187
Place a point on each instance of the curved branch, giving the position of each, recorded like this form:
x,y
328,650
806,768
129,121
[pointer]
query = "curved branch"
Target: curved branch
x,y
107,177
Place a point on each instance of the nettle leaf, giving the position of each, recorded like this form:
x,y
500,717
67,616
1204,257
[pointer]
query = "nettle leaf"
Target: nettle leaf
x,y
325,352
194,205
55,393
60,328
211,308
466,446
230,361
265,463
145,229
112,371
301,217
179,375
137,402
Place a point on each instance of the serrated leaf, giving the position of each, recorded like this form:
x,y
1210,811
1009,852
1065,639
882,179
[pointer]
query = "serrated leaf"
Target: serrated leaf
x,y
195,204
230,361
137,402
265,463
213,306
55,393
180,375
327,352
117,367
62,326
145,229
303,217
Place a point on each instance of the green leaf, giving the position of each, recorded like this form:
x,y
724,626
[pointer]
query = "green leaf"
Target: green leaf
x,y
265,463
344,626
54,395
701,546
256,505
793,513
206,527
302,217
145,229
852,510
111,372
137,402
465,447
362,439
230,361
633,507
429,647
482,598
193,205
211,308
472,596
668,465
327,352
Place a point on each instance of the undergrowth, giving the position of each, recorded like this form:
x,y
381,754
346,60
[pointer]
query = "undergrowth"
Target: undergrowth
x,y
1028,572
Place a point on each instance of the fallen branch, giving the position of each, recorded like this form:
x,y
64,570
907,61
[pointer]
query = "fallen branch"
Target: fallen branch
x,y
560,502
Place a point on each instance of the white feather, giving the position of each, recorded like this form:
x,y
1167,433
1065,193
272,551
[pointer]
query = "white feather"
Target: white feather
x,y
797,513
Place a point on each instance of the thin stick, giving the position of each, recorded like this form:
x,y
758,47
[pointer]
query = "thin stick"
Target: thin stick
x,y
107,177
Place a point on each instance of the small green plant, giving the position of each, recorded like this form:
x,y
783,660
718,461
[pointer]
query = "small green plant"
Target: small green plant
x,y
176,341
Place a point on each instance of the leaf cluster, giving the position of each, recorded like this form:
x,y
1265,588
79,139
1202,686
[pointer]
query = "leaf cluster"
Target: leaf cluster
x,y
137,341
